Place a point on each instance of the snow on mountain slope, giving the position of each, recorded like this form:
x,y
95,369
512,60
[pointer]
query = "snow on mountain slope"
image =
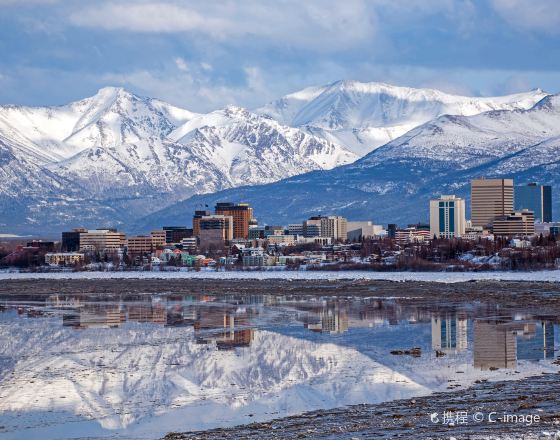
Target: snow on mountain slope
x,y
225,148
470,141
140,154
60,132
261,143
395,182
363,116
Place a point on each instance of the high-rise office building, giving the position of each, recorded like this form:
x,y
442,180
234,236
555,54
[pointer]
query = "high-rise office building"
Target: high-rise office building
x,y
449,334
494,345
215,229
333,226
536,198
174,234
71,240
242,215
490,198
196,221
447,217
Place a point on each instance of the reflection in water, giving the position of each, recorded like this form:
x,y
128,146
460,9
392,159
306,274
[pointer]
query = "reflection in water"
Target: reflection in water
x,y
144,365
500,343
449,334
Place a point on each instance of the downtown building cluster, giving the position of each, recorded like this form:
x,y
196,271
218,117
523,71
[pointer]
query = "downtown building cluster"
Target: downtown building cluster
x,y
498,209
228,235
231,235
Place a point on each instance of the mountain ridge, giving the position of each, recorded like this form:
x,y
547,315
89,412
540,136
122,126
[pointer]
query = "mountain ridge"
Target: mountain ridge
x,y
364,116
116,158
394,183
115,148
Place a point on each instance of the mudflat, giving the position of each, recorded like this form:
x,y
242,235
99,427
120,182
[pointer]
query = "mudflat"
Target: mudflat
x,y
506,293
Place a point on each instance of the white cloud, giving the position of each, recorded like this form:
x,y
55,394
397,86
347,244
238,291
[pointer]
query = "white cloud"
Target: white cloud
x,y
532,15
314,23
181,64
194,90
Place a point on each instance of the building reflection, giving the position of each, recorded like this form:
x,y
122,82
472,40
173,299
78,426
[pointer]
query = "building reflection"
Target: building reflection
x,y
228,321
500,343
93,317
449,334
225,325
330,318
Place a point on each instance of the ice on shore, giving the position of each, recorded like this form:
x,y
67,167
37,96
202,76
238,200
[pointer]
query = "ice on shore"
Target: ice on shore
x,y
439,277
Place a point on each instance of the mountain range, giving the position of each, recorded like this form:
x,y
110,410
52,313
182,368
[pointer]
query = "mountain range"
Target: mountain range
x,y
116,156
364,116
360,149
394,183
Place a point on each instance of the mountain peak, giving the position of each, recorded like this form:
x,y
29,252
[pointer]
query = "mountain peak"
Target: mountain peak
x,y
112,90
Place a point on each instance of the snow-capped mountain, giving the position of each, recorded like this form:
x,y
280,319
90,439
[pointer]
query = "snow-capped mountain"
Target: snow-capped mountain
x,y
110,118
394,183
223,149
364,116
115,157
137,154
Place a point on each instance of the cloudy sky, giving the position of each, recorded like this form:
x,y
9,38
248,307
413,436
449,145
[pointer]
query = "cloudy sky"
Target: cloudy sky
x,y
205,54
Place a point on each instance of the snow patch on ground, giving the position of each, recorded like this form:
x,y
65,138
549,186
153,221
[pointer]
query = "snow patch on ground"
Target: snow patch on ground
x,y
438,277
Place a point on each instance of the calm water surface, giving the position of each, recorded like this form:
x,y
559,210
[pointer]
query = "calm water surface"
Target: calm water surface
x,y
141,366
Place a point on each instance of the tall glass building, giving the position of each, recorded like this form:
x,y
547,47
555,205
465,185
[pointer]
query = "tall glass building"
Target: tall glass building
x,y
536,198
447,217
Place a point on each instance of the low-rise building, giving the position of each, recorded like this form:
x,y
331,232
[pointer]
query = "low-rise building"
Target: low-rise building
x,y
189,244
158,237
259,260
66,258
546,228
322,241
174,234
256,232
281,240
273,230
45,246
257,257
101,240
140,244
296,229
358,230
516,224
290,259
475,233
412,235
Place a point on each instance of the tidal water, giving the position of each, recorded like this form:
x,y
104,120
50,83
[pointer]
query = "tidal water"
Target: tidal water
x,y
141,366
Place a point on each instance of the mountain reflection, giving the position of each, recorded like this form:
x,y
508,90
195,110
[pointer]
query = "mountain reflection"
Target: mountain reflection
x,y
128,361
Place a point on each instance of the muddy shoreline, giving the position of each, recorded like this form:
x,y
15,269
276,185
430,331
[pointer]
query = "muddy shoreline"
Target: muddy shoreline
x,y
410,418
506,293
